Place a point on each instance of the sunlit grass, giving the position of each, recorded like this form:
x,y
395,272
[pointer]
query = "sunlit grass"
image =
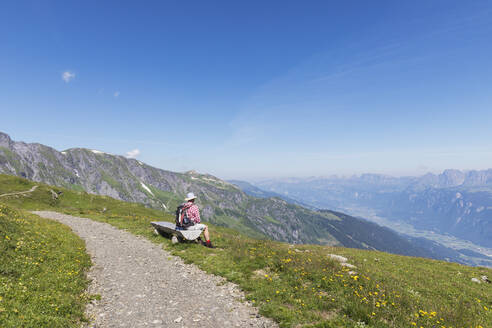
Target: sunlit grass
x,y
299,285
42,272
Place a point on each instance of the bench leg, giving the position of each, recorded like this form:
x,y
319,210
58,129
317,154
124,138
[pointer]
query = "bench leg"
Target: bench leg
x,y
174,239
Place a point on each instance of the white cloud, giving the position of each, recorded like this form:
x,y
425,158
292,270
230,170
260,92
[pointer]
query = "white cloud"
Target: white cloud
x,y
133,153
68,76
116,94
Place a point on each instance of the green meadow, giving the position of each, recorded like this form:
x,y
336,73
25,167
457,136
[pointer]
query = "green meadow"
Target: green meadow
x,y
296,285
42,272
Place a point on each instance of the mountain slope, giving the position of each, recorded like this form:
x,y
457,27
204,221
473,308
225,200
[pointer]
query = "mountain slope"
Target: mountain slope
x,y
297,285
454,202
251,190
222,203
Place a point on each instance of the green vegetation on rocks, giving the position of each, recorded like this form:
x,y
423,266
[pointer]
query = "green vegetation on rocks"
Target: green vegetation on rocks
x,y
303,286
222,203
11,158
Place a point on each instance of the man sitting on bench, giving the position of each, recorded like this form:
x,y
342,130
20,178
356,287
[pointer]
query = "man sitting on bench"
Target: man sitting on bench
x,y
193,213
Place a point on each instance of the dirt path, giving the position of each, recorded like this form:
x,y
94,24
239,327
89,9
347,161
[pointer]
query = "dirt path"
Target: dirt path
x,y
142,285
20,192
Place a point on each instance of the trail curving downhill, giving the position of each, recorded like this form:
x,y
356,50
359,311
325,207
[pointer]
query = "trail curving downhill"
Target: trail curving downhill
x,y
142,285
20,192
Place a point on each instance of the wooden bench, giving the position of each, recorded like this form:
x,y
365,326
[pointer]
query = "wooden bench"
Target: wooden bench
x,y
164,228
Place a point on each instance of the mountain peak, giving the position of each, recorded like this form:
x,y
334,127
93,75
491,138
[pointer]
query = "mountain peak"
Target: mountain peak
x,y
192,172
5,140
451,178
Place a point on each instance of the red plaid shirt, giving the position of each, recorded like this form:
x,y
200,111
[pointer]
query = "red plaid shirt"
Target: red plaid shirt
x,y
193,212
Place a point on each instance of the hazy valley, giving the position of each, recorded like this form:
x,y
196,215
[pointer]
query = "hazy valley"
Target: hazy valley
x,y
453,208
222,203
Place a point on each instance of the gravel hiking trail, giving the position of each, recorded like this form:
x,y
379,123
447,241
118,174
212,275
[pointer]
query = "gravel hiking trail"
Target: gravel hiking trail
x,y
20,192
142,285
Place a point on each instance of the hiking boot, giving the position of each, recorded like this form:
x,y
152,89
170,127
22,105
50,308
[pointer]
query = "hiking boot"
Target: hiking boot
x,y
209,244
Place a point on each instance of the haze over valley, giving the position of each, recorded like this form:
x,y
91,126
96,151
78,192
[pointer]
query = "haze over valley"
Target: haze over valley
x,y
453,208
334,159
314,212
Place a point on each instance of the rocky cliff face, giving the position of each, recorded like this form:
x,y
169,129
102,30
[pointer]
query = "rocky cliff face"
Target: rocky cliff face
x,y
221,202
458,211
453,178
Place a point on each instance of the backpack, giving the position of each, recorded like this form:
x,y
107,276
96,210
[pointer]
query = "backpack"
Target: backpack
x,y
182,219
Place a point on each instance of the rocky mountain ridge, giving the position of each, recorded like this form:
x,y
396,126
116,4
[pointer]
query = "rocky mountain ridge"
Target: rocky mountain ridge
x,y
221,202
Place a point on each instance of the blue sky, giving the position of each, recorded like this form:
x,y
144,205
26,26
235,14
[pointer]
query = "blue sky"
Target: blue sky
x,y
254,89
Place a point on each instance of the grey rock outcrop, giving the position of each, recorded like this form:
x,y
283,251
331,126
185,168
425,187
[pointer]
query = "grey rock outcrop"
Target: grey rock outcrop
x,y
221,203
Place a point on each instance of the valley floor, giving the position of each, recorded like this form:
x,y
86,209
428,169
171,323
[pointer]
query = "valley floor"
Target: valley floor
x,y
142,285
446,240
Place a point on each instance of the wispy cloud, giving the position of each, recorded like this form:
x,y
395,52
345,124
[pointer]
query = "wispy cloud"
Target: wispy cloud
x,y
245,134
116,94
133,153
68,76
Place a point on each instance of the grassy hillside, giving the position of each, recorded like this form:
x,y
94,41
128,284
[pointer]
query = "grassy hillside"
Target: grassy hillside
x,y
222,203
301,286
42,272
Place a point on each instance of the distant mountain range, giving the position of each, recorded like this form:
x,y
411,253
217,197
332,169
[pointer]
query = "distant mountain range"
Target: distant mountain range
x,y
455,202
222,203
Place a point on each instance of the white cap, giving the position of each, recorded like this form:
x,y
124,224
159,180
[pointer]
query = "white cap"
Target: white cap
x,y
190,196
